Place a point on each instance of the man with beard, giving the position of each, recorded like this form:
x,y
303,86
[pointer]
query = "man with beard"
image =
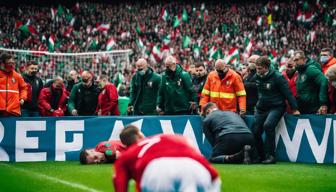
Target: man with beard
x,y
84,96
144,89
311,85
199,79
176,95
34,86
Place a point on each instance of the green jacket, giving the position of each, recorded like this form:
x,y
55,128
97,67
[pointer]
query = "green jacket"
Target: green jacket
x,y
122,105
176,93
143,92
312,87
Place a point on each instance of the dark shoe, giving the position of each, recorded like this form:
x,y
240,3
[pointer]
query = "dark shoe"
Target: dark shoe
x,y
270,160
235,158
247,158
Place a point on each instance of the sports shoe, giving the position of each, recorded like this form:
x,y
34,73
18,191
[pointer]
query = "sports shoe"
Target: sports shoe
x,y
247,159
270,160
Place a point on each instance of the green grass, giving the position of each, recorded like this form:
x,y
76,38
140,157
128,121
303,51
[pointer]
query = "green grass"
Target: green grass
x,y
36,177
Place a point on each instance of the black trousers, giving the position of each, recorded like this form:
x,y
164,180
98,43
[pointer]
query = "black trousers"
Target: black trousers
x,y
232,143
266,121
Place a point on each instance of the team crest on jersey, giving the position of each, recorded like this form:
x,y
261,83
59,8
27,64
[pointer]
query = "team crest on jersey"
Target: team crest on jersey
x,y
303,78
179,82
228,83
268,86
150,84
13,80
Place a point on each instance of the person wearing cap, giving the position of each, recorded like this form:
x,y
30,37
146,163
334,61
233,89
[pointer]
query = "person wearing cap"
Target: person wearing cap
x,y
225,88
273,91
53,100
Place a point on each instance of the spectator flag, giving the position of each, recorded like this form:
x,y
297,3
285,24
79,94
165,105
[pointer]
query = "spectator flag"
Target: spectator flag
x,y
110,44
140,43
28,29
269,19
60,10
186,41
140,28
232,55
166,39
103,26
156,53
259,20
308,17
311,37
273,56
177,21
203,13
299,16
215,53
196,50
94,43
164,14
51,43
248,46
53,13
184,15
68,31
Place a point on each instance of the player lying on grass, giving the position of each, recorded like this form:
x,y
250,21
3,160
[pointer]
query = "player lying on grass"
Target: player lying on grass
x,y
104,152
162,163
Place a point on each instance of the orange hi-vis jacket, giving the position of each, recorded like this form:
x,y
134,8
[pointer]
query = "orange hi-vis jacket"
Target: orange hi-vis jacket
x,y
12,89
225,93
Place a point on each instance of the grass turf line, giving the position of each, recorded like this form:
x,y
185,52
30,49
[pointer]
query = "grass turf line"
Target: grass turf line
x,y
270,178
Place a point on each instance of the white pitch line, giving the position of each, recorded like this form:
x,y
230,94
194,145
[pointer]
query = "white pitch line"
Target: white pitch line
x,y
53,179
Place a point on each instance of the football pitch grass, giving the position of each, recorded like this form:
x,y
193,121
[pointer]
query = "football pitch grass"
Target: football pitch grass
x,y
71,176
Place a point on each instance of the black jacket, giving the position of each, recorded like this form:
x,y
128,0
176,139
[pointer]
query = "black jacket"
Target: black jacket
x,y
35,85
251,91
219,123
273,91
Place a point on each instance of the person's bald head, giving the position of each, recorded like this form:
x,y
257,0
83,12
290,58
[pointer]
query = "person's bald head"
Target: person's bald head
x,y
87,78
252,61
58,83
220,65
170,62
141,64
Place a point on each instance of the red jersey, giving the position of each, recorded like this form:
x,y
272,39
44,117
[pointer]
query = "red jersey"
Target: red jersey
x,y
108,100
109,148
134,160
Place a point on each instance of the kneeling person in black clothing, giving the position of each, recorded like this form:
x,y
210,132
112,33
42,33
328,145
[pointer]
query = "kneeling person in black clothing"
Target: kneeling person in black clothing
x,y
228,134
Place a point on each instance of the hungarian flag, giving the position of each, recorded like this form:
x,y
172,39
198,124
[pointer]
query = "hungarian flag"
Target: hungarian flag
x,y
53,13
156,53
299,16
248,46
18,24
196,50
177,21
28,29
233,54
103,26
166,39
51,43
273,56
139,43
140,28
308,17
164,14
110,44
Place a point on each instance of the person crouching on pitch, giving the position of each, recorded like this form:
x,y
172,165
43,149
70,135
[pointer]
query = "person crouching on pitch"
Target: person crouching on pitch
x,y
228,134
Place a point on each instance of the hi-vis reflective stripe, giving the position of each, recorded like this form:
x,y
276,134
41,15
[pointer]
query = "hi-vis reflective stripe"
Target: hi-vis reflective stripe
x,y
205,92
11,91
241,93
219,94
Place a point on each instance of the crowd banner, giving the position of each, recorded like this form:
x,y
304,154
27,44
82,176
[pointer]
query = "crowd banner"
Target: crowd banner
x,y
305,138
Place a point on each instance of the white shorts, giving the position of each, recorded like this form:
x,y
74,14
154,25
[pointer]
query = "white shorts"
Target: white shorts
x,y
177,174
